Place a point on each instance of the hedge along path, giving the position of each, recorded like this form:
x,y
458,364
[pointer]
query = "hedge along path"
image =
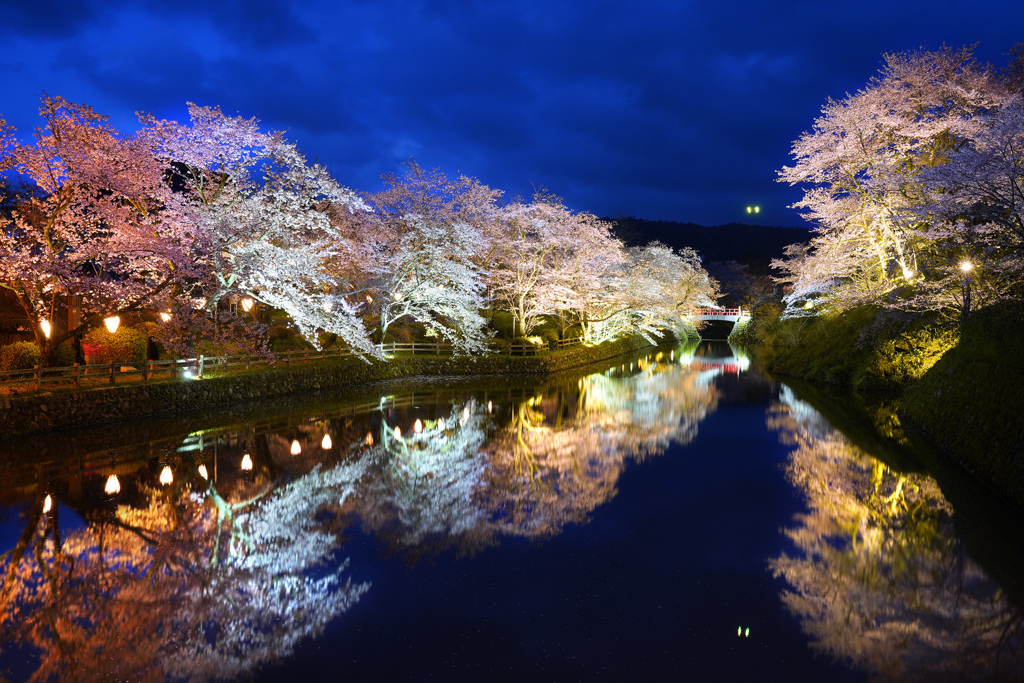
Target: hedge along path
x,y
48,410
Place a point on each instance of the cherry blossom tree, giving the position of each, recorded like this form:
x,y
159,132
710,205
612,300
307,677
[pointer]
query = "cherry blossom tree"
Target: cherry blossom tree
x,y
862,163
548,260
424,254
93,226
263,212
654,290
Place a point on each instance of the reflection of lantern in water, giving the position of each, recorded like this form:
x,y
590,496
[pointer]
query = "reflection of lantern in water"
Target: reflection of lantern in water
x,y
165,475
369,439
296,448
47,504
326,443
246,462
418,427
203,473
398,433
113,485
489,406
440,423
465,415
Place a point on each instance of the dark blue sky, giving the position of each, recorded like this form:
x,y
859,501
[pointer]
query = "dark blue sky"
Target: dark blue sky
x,y
671,110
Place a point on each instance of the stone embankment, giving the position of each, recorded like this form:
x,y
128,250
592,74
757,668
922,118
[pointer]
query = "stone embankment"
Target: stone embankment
x,y
21,415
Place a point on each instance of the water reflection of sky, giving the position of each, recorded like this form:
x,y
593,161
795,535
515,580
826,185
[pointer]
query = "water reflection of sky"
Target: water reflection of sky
x,y
584,527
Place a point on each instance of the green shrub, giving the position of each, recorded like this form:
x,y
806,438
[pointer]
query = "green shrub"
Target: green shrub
x,y
65,354
127,345
19,356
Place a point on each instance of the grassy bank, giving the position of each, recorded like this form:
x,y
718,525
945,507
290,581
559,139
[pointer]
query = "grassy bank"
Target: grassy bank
x,y
971,403
866,348
962,390
56,410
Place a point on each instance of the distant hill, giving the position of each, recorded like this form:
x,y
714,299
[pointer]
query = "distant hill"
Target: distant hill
x,y
751,244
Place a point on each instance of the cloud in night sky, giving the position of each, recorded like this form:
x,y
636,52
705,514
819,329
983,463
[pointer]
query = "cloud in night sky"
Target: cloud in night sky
x,y
673,110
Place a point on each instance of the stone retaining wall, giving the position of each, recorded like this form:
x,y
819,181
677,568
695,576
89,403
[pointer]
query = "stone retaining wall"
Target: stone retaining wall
x,y
35,413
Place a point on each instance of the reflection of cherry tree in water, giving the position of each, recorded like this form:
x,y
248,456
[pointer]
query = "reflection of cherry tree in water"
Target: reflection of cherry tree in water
x,y
562,455
189,584
425,481
879,578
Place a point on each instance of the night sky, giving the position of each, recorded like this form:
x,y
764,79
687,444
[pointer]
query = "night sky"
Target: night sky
x,y
664,110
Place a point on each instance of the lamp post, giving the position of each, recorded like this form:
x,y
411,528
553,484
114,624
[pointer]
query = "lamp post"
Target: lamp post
x,y
965,268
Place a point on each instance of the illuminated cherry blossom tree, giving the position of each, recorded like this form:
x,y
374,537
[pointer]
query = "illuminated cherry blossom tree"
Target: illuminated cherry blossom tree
x,y
862,164
263,212
94,225
424,250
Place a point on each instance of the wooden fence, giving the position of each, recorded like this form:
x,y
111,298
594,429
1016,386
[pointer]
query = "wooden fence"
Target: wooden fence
x,y
196,368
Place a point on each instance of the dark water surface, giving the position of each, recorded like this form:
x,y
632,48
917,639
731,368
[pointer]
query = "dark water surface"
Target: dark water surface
x,y
674,516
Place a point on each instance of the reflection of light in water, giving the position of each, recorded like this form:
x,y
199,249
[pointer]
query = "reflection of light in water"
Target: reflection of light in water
x,y
203,473
296,447
166,477
326,443
47,504
113,485
246,462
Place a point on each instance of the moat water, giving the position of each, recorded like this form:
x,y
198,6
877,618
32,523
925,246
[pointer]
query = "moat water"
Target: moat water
x,y
673,515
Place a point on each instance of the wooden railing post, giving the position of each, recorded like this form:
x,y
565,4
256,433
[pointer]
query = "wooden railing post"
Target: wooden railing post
x,y
78,373
111,373
247,361
38,376
201,358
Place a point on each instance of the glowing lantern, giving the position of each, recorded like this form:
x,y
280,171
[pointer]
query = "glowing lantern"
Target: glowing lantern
x,y
369,439
246,462
113,485
112,323
203,473
45,325
418,427
326,443
47,504
165,475
247,304
296,448
166,317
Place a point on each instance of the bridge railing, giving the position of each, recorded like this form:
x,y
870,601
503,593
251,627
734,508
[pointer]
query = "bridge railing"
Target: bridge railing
x,y
717,312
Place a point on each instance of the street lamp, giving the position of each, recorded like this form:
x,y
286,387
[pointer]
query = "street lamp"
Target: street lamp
x,y
112,323
966,267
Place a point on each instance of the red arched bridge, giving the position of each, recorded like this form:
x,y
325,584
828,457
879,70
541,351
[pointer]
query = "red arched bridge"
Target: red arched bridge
x,y
730,314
